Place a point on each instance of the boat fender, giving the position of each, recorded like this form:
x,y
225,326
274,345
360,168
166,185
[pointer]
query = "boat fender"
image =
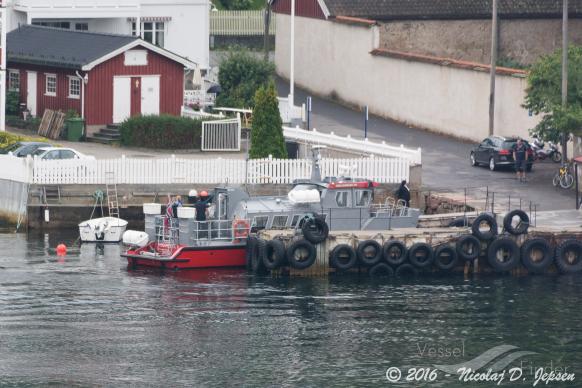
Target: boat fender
x,y
250,250
491,223
531,260
274,256
394,252
468,247
257,265
405,270
381,270
343,257
445,257
369,252
569,256
315,229
421,255
241,229
503,254
298,260
521,227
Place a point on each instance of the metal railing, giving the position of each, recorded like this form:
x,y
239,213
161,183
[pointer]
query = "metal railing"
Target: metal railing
x,y
218,230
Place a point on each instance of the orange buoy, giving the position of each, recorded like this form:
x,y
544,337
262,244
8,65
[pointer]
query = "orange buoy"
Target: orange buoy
x,y
61,249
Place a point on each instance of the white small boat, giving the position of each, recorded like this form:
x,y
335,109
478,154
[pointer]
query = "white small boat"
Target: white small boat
x,y
104,229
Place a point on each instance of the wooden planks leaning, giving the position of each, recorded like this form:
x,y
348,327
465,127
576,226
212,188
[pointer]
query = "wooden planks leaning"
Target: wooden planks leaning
x,y
52,124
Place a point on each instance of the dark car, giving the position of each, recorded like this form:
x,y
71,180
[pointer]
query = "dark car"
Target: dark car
x,y
497,151
23,148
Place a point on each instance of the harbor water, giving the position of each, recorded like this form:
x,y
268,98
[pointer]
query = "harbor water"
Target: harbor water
x,y
85,319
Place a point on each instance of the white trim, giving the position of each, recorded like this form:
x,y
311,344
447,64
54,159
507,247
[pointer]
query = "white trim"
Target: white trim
x,y
72,96
46,78
137,75
139,42
324,8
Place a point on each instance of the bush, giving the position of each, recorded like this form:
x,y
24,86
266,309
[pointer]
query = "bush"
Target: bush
x,y
267,134
240,76
12,103
163,131
7,138
16,122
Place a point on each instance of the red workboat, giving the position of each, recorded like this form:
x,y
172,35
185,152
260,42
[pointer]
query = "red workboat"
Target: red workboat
x,y
205,244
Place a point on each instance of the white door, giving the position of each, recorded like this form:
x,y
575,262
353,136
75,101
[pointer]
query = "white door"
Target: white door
x,y
121,98
150,95
31,92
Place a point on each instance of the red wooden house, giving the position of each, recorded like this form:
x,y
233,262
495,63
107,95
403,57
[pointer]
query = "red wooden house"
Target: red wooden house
x,y
106,78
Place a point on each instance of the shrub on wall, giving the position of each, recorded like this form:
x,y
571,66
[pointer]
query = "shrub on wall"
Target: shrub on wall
x,y
163,131
267,133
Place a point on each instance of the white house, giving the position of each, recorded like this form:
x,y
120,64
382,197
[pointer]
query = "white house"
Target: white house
x,y
180,26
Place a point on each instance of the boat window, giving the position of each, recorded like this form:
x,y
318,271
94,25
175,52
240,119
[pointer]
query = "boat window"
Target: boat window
x,y
222,206
341,198
260,222
295,220
279,222
363,198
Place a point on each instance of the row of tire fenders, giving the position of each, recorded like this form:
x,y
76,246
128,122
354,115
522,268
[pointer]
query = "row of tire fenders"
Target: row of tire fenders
x,y
394,258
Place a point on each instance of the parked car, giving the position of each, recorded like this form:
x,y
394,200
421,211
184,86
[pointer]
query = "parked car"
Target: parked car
x,y
57,153
23,148
497,151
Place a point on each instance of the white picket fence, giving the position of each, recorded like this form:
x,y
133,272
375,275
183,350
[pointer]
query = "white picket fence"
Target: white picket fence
x,y
350,144
176,170
240,23
221,135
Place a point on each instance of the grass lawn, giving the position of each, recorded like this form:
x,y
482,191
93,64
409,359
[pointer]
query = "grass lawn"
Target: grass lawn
x,y
255,4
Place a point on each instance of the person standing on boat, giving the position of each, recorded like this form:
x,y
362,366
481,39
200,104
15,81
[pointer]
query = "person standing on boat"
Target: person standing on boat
x,y
403,193
175,205
202,207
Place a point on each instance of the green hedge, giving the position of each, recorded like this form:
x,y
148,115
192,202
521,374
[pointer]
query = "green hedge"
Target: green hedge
x,y
31,124
163,131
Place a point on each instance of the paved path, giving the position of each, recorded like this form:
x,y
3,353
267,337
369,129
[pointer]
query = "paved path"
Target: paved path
x,y
445,160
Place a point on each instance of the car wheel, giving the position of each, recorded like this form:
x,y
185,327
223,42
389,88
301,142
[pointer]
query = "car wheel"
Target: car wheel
x,y
492,165
473,161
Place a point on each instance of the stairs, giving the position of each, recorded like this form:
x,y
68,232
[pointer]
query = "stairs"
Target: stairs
x,y
108,135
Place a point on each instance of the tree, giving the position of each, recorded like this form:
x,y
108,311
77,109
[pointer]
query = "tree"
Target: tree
x,y
240,76
267,132
544,95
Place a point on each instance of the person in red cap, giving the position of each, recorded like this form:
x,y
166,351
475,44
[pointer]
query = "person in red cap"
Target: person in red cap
x,y
202,206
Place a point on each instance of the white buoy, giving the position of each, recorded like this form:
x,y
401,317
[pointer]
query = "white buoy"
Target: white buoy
x,y
46,215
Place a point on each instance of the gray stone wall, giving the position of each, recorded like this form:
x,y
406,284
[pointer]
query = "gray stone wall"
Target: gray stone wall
x,y
470,40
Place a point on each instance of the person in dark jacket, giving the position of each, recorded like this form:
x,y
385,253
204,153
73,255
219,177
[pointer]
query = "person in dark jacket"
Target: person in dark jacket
x,y
403,193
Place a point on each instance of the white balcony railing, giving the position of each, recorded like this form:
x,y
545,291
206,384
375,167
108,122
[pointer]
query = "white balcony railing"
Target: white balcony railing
x,y
78,8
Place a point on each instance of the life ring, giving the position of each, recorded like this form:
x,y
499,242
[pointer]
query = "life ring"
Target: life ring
x,y
241,229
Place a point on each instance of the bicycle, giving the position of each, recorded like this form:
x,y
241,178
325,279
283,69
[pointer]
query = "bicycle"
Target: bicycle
x,y
564,177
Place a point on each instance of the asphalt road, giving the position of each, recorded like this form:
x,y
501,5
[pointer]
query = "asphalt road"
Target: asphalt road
x,y
445,160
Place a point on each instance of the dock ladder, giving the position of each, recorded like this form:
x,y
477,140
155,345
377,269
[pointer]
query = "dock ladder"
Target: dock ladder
x,y
112,199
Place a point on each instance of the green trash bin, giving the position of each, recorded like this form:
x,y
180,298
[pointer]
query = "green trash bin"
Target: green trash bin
x,y
75,128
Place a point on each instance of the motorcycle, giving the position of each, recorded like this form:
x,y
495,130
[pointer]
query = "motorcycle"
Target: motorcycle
x,y
541,153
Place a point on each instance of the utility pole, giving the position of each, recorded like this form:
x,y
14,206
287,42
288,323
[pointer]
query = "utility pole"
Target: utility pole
x,y
565,74
292,54
494,42
267,28
3,85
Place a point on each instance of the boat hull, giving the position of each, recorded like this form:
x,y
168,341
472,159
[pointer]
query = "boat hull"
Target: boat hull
x,y
102,230
217,256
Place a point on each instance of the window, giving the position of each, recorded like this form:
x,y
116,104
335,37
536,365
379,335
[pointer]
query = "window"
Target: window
x,y
67,154
260,222
341,198
74,87
363,198
63,25
51,85
279,222
295,220
13,80
82,26
152,32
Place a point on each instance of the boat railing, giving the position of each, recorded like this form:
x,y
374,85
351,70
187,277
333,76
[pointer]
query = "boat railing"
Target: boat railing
x,y
391,208
167,234
220,230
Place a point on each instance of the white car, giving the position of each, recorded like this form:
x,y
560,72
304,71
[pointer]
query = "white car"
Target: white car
x,y
58,153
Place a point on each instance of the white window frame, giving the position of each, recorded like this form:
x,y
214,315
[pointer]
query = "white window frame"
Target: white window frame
x,y
72,78
47,76
155,28
10,73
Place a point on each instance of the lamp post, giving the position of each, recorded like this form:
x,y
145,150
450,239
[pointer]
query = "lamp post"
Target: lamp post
x,y
565,73
494,41
292,55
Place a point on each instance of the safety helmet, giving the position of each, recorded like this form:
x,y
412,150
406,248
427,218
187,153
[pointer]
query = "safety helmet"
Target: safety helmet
x,y
193,193
204,193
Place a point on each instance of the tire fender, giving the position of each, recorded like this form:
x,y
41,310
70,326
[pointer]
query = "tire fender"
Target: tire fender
x,y
369,252
274,256
445,257
507,244
468,247
421,255
338,256
565,252
308,261
381,270
519,229
541,245
491,223
394,252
